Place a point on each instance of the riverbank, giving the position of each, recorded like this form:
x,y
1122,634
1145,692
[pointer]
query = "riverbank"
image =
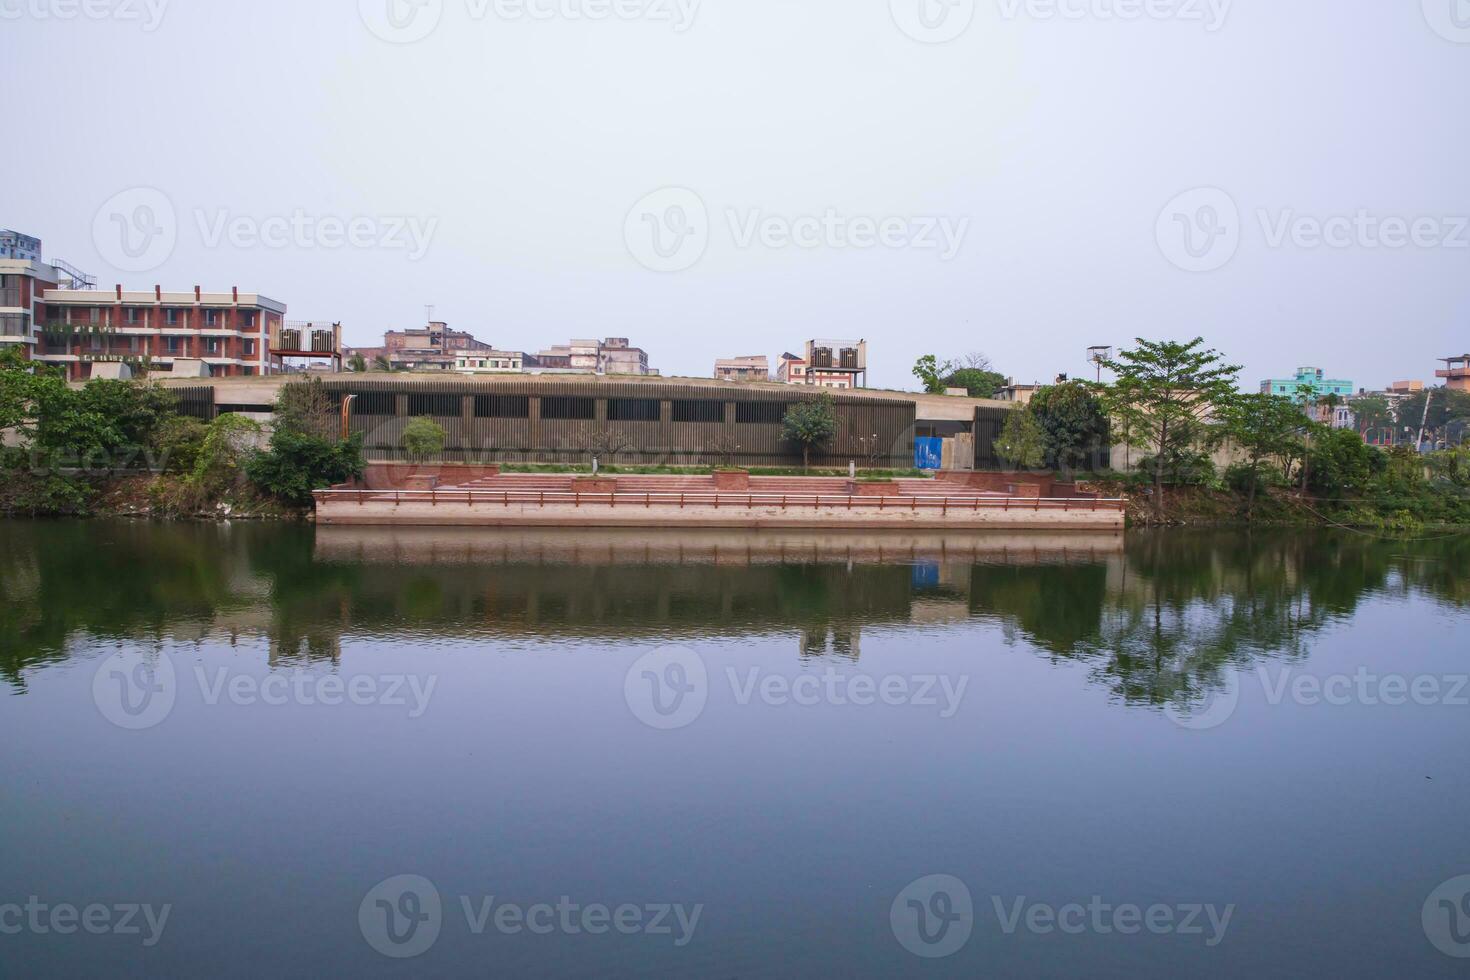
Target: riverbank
x,y
1277,507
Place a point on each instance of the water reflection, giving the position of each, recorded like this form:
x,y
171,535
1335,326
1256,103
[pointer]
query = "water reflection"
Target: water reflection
x,y
1157,617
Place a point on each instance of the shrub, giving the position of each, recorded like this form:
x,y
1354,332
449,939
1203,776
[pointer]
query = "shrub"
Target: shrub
x,y
423,438
298,463
177,443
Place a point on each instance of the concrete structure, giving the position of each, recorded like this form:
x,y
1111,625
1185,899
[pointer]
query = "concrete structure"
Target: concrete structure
x,y
752,368
490,362
794,370
433,347
833,504
1313,379
1456,373
56,312
615,355
1017,394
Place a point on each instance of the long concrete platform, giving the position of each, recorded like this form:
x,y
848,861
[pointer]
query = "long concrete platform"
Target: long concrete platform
x,y
691,501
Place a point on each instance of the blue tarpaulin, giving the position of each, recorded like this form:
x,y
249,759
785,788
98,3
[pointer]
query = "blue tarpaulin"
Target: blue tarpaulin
x,y
928,453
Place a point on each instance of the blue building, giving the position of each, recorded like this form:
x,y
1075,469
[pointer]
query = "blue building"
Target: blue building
x,y
1312,378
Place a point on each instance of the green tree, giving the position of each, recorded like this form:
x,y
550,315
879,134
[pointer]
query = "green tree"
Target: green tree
x,y
810,424
1342,464
1264,427
980,384
931,374
357,363
1169,393
305,451
423,439
1073,423
1022,441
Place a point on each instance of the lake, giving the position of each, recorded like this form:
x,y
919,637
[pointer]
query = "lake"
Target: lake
x,y
286,751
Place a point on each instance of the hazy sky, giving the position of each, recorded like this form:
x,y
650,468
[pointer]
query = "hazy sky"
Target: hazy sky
x,y
723,177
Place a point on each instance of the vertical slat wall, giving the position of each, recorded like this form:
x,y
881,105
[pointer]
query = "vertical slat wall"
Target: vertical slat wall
x,y
195,401
988,425
382,409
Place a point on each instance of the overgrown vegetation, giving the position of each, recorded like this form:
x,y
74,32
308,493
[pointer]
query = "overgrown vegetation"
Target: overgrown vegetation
x,y
125,444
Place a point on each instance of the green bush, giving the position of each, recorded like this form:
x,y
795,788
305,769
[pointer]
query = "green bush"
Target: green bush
x,y
177,442
423,439
298,463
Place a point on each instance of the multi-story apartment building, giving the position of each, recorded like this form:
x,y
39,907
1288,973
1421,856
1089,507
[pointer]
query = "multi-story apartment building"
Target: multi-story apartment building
x,y
1456,373
827,364
433,347
615,355
1310,384
753,368
58,315
491,362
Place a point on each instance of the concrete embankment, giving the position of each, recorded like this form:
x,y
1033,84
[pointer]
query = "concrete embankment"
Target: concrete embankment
x,y
711,502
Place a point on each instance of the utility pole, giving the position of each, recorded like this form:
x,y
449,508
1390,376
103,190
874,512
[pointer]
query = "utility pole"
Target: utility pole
x,y
1424,422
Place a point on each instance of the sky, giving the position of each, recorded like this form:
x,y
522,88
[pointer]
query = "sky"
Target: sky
x,y
1022,178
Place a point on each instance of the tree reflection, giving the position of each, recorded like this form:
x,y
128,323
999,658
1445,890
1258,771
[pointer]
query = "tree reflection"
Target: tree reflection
x,y
1158,617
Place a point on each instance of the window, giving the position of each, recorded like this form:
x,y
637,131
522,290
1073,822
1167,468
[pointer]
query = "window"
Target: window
x,y
699,411
374,403
133,343
214,345
441,405
568,408
502,407
171,317
132,315
249,348
173,345
759,413
211,318
247,319
633,409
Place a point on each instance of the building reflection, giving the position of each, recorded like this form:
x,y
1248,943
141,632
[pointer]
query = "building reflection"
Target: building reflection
x,y
1154,617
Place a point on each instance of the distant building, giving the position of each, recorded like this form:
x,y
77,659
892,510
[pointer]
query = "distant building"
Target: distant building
x,y
1020,394
753,368
1456,372
491,362
56,314
1314,379
615,355
827,364
432,347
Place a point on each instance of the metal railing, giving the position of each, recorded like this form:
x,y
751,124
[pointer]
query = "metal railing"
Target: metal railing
x,y
786,501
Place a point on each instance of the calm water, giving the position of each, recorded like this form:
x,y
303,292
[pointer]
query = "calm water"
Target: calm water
x,y
730,756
